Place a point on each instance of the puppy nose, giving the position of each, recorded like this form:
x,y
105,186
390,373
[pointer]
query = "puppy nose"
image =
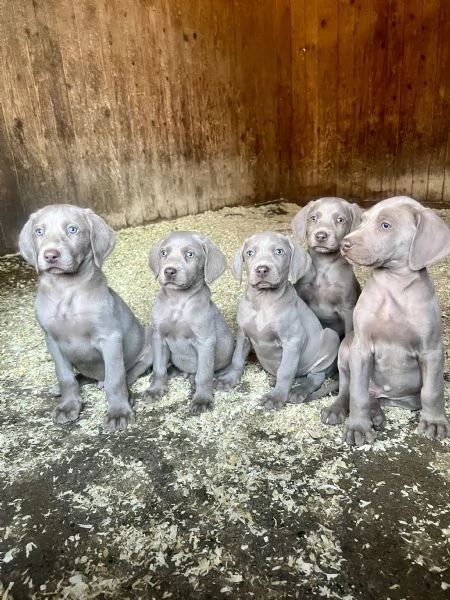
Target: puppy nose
x,y
51,255
262,270
346,244
170,272
321,236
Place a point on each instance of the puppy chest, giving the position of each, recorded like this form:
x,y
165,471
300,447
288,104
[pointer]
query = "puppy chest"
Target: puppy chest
x,y
66,321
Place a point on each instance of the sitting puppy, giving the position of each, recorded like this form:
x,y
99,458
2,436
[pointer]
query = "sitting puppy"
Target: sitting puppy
x,y
286,335
188,329
330,287
87,326
395,355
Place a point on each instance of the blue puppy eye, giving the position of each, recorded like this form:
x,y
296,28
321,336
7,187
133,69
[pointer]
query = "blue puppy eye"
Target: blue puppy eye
x,y
313,218
385,225
39,231
163,253
250,253
189,254
72,229
279,251
340,220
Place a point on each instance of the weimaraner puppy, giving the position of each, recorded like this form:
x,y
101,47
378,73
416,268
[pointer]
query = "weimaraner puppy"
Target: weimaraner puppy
x,y
88,327
188,329
395,355
329,287
286,335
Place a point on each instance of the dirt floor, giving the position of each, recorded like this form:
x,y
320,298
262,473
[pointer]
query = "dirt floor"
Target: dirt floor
x,y
238,503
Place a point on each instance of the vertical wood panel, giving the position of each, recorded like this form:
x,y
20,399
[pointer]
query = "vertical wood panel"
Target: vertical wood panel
x,y
147,109
327,95
345,96
391,90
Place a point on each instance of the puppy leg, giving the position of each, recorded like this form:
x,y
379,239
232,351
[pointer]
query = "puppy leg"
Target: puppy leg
x,y
158,381
336,412
434,423
119,413
145,359
202,399
277,397
68,408
229,378
304,386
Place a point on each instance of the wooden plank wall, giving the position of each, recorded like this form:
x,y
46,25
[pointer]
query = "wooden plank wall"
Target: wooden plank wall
x,y
146,109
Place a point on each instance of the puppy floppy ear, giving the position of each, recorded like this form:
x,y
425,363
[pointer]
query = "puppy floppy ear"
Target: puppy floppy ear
x,y
238,263
154,258
299,223
300,261
103,237
26,243
431,241
215,261
355,216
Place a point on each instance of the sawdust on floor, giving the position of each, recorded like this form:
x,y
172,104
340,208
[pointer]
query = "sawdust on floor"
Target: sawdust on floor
x,y
237,503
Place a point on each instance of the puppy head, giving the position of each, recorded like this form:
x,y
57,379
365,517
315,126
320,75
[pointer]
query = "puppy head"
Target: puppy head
x,y
325,222
184,258
60,237
398,232
269,258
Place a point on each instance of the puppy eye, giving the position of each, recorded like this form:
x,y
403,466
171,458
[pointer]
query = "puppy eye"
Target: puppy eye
x,y
39,231
189,254
163,253
250,253
340,220
313,218
279,251
72,229
385,225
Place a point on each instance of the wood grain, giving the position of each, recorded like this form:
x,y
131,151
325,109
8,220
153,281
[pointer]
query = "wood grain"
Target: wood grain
x,y
151,109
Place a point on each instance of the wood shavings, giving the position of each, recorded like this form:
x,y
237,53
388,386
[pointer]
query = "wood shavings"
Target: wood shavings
x,y
237,503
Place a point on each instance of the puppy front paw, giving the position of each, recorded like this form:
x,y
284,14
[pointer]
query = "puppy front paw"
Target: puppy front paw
x,y
66,411
271,401
357,433
435,429
334,414
200,405
119,417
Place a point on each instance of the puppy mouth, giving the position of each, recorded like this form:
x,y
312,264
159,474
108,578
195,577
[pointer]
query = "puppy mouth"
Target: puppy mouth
x,y
265,285
362,260
172,283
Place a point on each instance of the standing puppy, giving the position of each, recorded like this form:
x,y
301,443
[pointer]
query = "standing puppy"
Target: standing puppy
x,y
330,287
87,326
188,329
286,335
395,355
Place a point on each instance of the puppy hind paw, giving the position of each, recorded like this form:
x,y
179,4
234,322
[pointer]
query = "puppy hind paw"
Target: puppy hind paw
x,y
153,395
377,416
225,383
435,430
334,414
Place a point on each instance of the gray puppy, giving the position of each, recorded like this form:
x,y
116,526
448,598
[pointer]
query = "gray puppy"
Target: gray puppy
x,y
395,355
330,287
88,327
286,335
188,329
